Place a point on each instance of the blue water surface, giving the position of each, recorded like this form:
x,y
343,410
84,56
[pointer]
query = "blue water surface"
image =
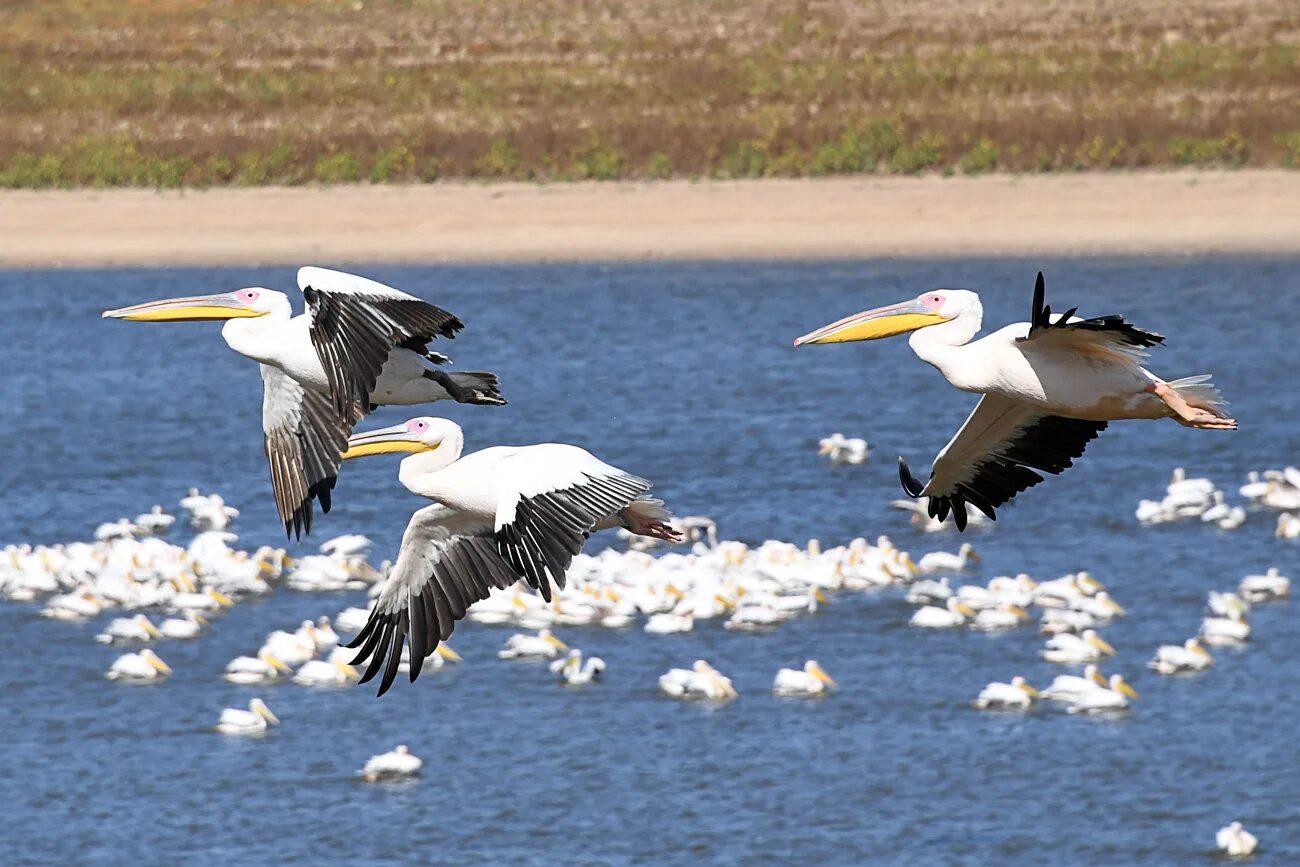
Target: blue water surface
x,y
683,373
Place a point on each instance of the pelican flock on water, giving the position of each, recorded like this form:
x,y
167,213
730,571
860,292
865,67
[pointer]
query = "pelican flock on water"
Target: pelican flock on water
x,y
503,540
1049,386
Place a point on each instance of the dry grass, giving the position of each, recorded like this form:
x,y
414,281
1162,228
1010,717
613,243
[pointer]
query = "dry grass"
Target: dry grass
x,y
169,92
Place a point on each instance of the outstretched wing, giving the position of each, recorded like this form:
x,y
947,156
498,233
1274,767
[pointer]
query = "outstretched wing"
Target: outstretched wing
x,y
356,323
304,442
448,561
995,456
1066,328
549,498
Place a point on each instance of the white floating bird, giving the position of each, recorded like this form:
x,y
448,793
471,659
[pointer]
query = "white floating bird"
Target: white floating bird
x,y
699,682
810,681
123,629
942,561
680,619
1065,687
318,672
1265,588
1071,649
1002,617
1221,604
1115,696
500,515
1049,387
253,721
543,645
843,450
1225,631
155,522
266,667
399,764
141,666
1017,695
954,613
1175,658
189,626
575,672
1235,841
360,344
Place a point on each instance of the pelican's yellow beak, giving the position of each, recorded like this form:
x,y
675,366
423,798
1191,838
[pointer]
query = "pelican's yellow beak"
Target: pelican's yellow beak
x,y
265,713
348,671
1127,690
157,663
965,610
200,619
826,449
398,439
974,555
447,653
820,673
150,629
1116,607
820,596
875,324
1199,648
1030,691
555,642
221,599
912,568
1099,678
673,592
723,601
276,663
1019,612
194,309
518,603
1102,644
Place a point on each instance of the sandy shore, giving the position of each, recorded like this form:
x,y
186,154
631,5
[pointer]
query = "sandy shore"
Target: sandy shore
x,y
1165,213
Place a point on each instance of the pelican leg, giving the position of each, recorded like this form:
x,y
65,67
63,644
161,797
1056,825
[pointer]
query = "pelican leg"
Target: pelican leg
x,y
1188,415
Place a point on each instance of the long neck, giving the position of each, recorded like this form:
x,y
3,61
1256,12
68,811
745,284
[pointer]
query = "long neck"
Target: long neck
x,y
257,338
422,473
944,346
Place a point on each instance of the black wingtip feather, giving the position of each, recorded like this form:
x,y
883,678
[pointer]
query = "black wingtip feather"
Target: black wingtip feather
x,y
911,484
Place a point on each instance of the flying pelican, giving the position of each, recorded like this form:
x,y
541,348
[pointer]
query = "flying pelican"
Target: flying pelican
x,y
500,515
398,764
253,721
1049,387
360,344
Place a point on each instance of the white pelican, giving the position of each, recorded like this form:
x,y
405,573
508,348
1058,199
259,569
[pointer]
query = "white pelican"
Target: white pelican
x,y
155,522
929,592
1049,387
543,645
1002,617
189,626
942,561
997,695
360,344
811,680
1066,686
123,629
701,682
1173,658
144,665
318,672
1222,603
1229,630
1114,696
500,515
1265,588
399,764
247,722
680,619
843,450
266,667
954,613
574,672
1072,649
1235,841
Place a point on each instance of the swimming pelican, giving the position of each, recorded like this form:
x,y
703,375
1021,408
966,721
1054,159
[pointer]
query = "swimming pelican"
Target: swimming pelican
x,y
811,680
543,645
942,561
247,722
701,682
189,626
1002,617
1229,630
318,672
141,666
500,515
1114,696
954,613
997,695
1268,587
1066,686
574,672
399,764
266,667
1173,658
680,619
123,629
155,522
1072,649
1235,841
1049,387
360,344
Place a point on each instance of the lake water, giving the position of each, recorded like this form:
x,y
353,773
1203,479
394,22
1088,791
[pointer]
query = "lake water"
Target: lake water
x,y
683,373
